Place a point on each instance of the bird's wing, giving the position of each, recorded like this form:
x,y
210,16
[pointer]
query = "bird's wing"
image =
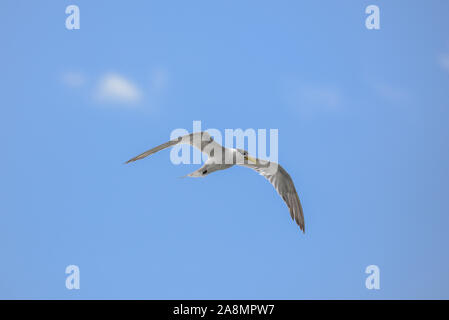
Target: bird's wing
x,y
199,140
283,183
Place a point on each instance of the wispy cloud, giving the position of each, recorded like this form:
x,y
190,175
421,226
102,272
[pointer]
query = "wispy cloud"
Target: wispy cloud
x,y
443,61
115,88
73,79
392,93
159,80
325,96
312,97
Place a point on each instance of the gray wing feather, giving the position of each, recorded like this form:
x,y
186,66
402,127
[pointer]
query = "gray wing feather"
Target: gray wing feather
x,y
198,140
283,183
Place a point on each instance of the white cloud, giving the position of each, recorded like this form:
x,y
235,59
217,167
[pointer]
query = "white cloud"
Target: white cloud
x,y
73,79
444,61
113,87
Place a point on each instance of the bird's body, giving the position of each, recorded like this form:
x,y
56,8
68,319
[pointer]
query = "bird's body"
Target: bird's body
x,y
221,158
209,167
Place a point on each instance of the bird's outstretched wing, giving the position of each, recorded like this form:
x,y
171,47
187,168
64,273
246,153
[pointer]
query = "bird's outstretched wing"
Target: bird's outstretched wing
x,y
283,183
199,140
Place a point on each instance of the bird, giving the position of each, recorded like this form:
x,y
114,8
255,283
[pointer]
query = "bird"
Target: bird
x,y
221,158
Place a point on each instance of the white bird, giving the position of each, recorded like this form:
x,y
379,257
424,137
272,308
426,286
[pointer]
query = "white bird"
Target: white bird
x,y
220,158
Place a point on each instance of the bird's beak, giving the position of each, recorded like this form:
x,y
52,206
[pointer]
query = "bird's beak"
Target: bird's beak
x,y
250,159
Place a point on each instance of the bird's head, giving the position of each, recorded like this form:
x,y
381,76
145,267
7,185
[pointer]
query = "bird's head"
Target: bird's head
x,y
246,156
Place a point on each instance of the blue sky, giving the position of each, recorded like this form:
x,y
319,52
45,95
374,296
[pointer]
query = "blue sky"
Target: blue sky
x,y
363,131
